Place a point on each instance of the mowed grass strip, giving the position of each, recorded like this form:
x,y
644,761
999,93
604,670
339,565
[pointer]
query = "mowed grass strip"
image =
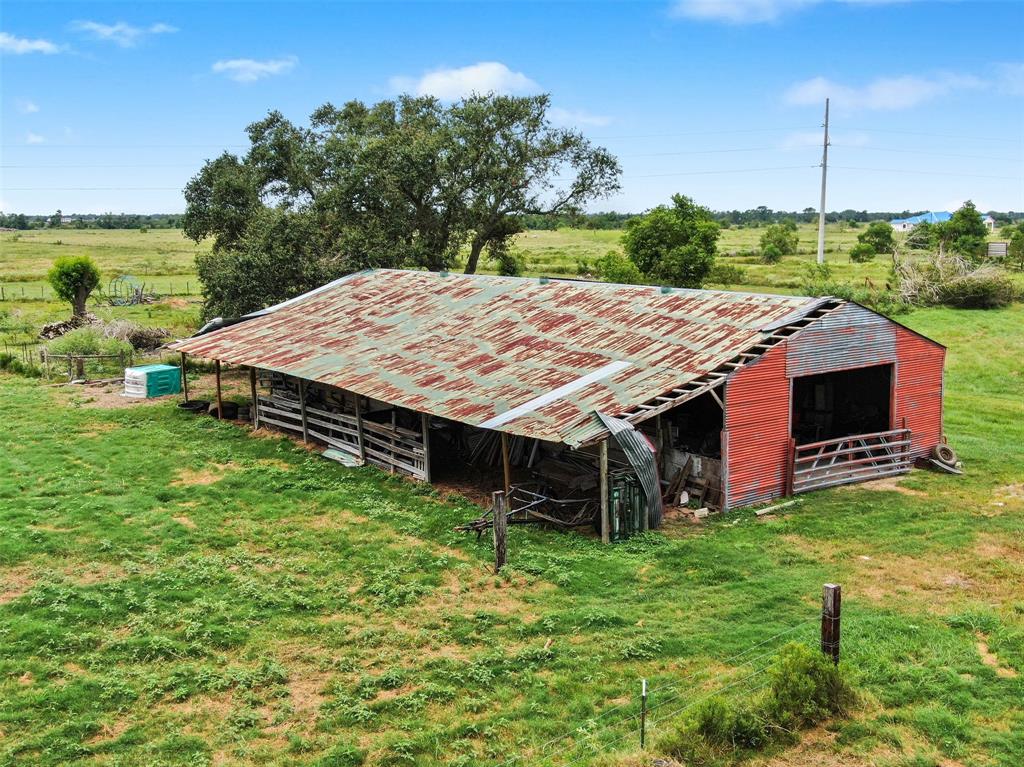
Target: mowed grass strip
x,y
174,590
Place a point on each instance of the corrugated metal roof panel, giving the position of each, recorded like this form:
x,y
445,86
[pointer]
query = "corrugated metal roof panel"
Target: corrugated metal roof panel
x,y
470,348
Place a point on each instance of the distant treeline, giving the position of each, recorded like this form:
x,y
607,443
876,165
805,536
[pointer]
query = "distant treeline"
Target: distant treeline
x,y
754,217
92,221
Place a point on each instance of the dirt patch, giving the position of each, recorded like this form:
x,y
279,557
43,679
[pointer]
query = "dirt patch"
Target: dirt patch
x,y
92,572
14,583
206,476
185,522
26,679
174,303
107,396
991,660
398,692
109,732
887,484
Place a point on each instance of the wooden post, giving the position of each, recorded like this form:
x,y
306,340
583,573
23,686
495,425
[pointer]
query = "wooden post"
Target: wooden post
x,y
220,397
302,409
831,594
46,363
425,422
359,429
500,528
255,414
505,463
184,374
605,515
643,713
791,474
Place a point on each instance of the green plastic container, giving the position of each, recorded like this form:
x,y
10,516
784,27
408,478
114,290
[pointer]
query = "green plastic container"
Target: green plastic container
x,y
152,381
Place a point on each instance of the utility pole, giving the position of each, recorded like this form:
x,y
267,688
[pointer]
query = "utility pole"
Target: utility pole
x,y
821,210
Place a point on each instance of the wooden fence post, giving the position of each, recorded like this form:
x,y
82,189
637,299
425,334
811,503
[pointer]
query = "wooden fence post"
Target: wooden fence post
x,y
830,612
605,512
500,528
359,428
425,421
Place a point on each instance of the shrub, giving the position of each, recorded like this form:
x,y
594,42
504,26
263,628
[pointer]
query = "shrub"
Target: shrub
x,y
727,274
982,289
13,364
771,254
783,236
73,278
879,237
88,340
862,253
615,267
804,689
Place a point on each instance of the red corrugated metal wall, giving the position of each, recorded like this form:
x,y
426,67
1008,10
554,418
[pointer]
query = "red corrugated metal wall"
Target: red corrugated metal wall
x,y
757,406
919,389
757,425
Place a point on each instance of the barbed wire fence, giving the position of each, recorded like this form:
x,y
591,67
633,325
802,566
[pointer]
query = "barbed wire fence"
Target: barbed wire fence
x,y
664,703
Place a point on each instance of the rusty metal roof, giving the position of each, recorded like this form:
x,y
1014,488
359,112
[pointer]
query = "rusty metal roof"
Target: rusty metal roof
x,y
531,357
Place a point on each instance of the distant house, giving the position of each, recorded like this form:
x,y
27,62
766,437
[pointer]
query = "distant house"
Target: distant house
x,y
931,217
989,222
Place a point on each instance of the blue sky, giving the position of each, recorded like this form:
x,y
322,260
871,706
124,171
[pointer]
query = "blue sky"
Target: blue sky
x,y
115,106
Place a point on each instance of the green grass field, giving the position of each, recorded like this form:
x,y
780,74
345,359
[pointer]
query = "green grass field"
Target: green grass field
x,y
174,590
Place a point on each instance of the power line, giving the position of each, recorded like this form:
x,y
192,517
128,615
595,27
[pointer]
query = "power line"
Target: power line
x,y
925,172
929,154
938,135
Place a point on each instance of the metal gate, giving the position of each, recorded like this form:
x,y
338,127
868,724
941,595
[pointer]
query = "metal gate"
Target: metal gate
x,y
850,459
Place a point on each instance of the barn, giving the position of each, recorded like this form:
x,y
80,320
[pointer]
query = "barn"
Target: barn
x,y
592,402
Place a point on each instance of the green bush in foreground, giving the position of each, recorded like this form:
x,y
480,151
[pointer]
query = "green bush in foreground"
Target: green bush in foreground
x,y
862,253
804,689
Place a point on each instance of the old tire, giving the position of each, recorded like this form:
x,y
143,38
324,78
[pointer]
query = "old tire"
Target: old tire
x,y
944,454
194,405
230,410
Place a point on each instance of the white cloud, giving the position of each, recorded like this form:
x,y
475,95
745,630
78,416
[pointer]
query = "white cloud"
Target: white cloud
x,y
18,45
577,118
804,139
455,83
251,70
34,138
1011,78
883,93
120,33
28,107
751,11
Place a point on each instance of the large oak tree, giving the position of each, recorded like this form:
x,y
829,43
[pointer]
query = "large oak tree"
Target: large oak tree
x,y
402,183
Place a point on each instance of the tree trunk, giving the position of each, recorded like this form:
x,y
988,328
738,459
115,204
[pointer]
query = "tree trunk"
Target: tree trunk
x,y
474,255
78,305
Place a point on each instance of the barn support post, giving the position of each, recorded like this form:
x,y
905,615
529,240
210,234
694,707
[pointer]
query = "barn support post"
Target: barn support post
x,y
302,409
500,529
425,422
359,428
831,603
605,511
506,463
220,397
255,400
184,375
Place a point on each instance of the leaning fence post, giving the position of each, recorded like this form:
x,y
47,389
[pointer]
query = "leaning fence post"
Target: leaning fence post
x,y
831,602
500,528
643,712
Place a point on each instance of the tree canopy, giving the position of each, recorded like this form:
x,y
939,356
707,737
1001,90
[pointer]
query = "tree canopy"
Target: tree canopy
x,y
964,233
402,183
674,245
879,237
73,278
783,236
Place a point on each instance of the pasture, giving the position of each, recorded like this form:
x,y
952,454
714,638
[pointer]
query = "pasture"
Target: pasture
x,y
178,591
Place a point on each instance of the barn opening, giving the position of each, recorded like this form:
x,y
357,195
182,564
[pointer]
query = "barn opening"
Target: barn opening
x,y
841,404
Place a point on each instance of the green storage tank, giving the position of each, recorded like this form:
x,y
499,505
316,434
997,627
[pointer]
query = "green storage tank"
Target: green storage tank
x,y
152,381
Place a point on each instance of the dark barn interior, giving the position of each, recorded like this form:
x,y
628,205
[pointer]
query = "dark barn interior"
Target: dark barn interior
x,y
842,403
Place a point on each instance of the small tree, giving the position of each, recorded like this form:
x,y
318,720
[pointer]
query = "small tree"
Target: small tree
x,y
771,253
615,267
783,236
878,236
862,252
1015,250
675,245
73,278
964,233
56,219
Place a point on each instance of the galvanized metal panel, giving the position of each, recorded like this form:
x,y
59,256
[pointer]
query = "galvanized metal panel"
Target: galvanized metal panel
x,y
470,347
757,429
849,337
918,400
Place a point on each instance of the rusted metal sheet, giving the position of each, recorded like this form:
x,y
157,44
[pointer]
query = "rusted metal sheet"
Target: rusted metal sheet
x,y
470,348
918,390
849,337
757,428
